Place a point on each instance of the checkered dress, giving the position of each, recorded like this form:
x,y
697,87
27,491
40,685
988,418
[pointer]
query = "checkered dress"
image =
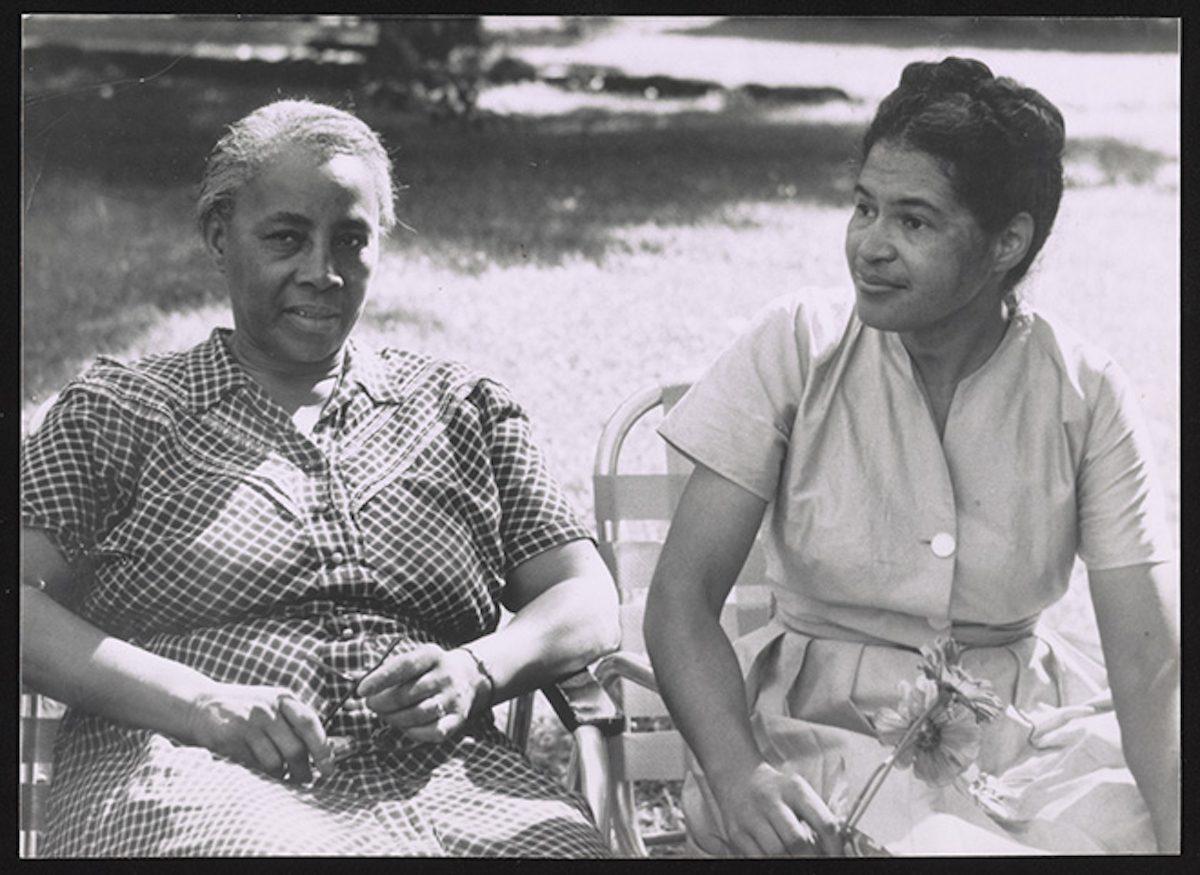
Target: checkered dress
x,y
211,532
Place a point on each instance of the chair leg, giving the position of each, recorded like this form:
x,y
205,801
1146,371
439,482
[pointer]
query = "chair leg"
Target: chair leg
x,y
594,777
520,718
628,840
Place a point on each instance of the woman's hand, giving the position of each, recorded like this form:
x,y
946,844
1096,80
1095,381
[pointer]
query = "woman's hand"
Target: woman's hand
x,y
262,727
428,693
767,812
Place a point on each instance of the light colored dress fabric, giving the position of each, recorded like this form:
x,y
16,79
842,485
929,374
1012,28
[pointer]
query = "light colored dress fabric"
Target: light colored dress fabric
x,y
880,537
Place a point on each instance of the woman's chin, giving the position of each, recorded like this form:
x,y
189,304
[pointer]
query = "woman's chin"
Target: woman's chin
x,y
875,313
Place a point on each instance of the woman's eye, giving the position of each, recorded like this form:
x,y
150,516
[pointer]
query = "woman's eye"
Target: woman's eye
x,y
913,223
284,238
353,241
864,210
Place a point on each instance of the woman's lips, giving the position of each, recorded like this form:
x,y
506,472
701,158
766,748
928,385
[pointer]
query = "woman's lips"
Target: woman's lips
x,y
312,317
876,285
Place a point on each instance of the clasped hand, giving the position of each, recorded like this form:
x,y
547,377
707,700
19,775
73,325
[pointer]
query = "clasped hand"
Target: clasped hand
x,y
262,727
428,693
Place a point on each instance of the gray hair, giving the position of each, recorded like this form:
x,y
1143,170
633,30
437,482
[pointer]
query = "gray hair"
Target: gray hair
x,y
253,140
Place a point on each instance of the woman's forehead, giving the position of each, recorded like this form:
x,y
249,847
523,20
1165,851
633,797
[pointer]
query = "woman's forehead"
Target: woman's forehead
x,y
301,177
897,172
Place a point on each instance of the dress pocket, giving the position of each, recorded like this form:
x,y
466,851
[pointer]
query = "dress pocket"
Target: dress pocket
x,y
841,683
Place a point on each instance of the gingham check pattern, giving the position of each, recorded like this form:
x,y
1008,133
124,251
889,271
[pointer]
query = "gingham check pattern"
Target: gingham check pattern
x,y
208,530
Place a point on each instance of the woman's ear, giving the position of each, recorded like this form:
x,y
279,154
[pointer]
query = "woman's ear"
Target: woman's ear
x,y
214,239
1013,242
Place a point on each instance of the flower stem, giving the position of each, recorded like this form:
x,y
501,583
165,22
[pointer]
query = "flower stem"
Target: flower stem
x,y
883,769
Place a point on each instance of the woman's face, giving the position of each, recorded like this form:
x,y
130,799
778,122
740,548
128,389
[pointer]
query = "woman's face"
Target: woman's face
x,y
918,257
297,252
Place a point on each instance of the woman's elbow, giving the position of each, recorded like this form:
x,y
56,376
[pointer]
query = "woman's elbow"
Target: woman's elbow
x,y
594,616
606,624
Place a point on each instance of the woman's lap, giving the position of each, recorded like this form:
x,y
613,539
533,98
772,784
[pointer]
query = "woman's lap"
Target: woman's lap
x,y
169,800
1055,749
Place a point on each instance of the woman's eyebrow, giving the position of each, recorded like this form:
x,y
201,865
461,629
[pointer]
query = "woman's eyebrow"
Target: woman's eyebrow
x,y
285,217
908,202
919,203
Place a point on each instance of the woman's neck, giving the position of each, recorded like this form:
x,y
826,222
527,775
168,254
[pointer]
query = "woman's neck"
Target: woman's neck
x,y
946,353
293,385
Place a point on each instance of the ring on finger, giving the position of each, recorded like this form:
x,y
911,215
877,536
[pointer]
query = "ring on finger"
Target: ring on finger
x,y
439,709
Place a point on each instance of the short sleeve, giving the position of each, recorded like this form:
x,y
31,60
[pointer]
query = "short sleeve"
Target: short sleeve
x,y
1122,518
736,419
75,481
535,513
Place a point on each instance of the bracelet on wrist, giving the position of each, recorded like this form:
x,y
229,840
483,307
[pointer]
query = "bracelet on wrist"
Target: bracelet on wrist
x,y
483,670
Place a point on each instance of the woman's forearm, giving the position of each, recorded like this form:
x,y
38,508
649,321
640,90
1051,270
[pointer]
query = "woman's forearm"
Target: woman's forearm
x,y
1139,630
1148,714
699,679
65,657
560,631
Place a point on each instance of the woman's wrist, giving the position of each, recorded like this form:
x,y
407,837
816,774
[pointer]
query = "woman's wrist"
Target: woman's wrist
x,y
733,766
485,686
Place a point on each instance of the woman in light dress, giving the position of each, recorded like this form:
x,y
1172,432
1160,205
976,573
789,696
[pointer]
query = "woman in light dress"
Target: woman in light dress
x,y
929,462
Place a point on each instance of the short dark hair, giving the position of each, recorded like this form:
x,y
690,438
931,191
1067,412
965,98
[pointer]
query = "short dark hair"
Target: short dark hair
x,y
1000,142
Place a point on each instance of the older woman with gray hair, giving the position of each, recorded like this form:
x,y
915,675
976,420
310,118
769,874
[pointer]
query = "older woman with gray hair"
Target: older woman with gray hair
x,y
266,573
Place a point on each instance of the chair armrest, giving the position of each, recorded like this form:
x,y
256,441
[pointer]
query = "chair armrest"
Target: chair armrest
x,y
625,665
579,700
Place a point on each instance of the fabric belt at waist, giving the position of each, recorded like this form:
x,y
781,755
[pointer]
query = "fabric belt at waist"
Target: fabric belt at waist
x,y
967,634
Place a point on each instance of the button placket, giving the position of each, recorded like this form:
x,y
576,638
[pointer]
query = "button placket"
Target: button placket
x,y
942,545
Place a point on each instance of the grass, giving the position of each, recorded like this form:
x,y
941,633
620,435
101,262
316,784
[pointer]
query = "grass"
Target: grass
x,y
574,257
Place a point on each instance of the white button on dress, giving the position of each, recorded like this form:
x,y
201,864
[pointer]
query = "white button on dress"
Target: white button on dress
x,y
942,545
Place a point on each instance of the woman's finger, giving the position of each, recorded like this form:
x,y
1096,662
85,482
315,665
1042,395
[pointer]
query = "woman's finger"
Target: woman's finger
x,y
291,749
747,843
403,696
795,836
805,801
399,669
307,726
266,755
427,712
436,731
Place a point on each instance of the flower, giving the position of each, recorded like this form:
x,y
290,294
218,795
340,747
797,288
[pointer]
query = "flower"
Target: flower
x,y
934,728
931,731
940,663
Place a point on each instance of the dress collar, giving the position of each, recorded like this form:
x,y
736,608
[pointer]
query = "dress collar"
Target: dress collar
x,y
215,374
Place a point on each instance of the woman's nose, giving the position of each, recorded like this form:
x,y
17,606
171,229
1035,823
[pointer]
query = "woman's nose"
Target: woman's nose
x,y
875,244
319,268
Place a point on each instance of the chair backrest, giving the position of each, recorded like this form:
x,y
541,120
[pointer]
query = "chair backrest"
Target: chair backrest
x,y
633,511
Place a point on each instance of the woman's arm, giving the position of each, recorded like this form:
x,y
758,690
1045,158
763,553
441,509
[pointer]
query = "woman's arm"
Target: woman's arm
x,y
698,674
565,606
1139,631
69,659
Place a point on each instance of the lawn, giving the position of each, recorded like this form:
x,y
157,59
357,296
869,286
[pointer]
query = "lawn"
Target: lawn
x,y
574,256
